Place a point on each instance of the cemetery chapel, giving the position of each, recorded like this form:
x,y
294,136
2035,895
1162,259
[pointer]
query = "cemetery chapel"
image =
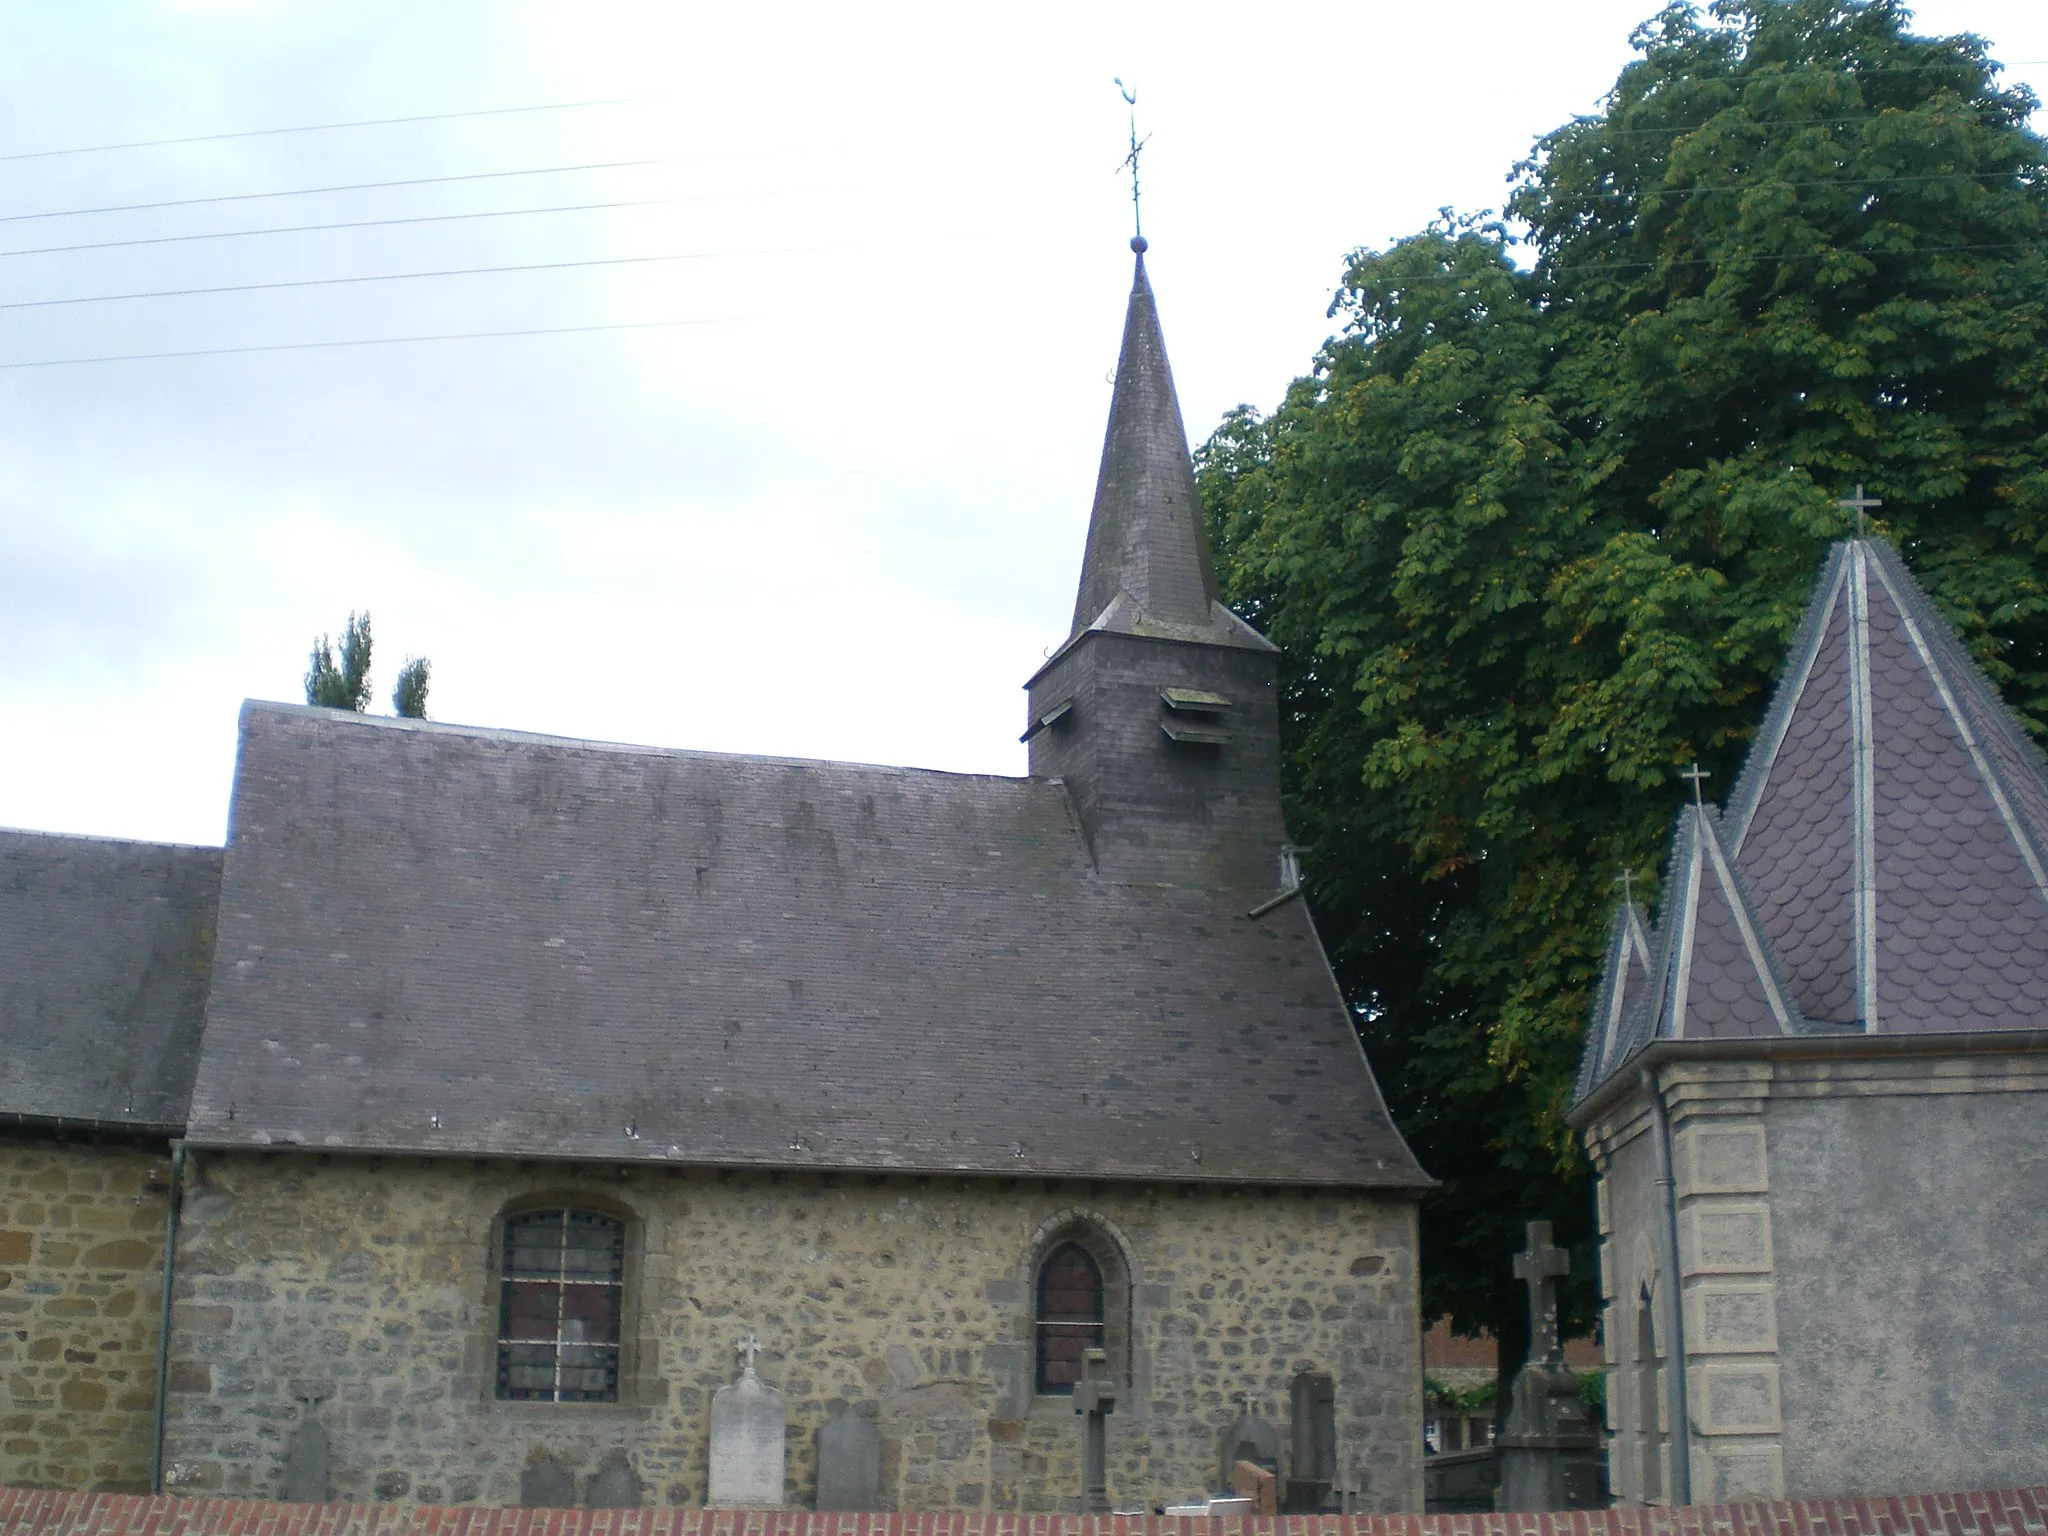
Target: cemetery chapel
x,y
491,1103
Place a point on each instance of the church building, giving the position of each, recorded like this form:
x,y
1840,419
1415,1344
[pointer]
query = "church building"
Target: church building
x,y
1815,1093
490,1099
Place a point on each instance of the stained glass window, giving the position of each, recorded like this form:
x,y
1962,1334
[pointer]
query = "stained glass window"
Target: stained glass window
x,y
560,1290
1069,1316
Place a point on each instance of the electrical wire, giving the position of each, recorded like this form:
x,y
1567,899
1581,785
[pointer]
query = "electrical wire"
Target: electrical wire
x,y
354,186
386,277
304,229
368,341
367,122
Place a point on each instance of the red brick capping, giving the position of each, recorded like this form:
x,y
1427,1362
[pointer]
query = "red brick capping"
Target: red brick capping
x,y
31,1512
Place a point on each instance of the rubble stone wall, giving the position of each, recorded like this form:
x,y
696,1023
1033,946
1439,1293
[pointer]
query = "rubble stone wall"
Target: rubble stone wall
x,y
81,1277
366,1287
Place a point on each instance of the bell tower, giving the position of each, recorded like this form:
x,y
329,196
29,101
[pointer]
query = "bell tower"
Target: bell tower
x,y
1159,711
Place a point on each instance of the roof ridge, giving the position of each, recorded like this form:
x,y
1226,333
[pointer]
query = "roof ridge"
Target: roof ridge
x,y
621,748
1747,790
1956,672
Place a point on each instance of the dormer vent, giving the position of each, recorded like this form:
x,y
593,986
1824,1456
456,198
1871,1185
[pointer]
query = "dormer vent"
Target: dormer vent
x,y
1193,701
1188,733
1048,717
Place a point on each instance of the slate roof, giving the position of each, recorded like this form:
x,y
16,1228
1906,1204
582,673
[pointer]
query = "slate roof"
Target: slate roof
x,y
1147,569
438,939
104,948
1885,847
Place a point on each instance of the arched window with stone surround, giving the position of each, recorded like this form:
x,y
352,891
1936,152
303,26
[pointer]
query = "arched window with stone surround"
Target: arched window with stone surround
x,y
1070,1316
561,1289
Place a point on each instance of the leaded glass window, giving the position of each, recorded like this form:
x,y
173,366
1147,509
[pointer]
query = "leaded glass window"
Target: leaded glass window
x,y
1069,1316
560,1293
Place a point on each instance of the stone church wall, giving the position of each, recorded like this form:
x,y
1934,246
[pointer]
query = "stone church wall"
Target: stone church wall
x,y
81,1254
366,1287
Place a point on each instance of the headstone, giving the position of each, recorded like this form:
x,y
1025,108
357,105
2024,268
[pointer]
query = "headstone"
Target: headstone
x,y
850,1462
307,1475
547,1484
1548,1443
1312,1462
748,1429
1250,1439
1095,1401
1249,1480
615,1485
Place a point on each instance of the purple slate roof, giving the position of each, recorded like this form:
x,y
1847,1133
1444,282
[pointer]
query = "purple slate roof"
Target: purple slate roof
x,y
104,948
1886,844
439,939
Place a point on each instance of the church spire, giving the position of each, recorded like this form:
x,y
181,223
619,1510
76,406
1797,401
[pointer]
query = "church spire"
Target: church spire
x,y
1148,554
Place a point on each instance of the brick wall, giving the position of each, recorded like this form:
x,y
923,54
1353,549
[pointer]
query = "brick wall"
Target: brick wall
x,y
2011,1512
81,1264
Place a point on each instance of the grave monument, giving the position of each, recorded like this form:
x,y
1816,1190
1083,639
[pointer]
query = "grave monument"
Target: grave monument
x,y
1548,1447
748,1427
1094,1402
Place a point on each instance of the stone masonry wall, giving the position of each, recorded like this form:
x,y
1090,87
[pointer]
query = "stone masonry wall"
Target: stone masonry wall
x,y
367,1286
81,1255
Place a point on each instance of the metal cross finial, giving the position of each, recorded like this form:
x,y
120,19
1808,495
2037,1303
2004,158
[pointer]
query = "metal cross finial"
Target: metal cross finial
x,y
748,1348
1696,773
1627,883
1131,160
1859,504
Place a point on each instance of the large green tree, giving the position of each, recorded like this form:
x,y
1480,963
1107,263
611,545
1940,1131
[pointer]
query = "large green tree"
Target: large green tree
x,y
1535,531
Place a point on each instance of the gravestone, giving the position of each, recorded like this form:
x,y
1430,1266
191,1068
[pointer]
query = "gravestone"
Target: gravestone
x,y
850,1462
616,1485
1312,1459
547,1484
748,1429
1095,1401
1548,1447
1250,1439
307,1475
1252,1482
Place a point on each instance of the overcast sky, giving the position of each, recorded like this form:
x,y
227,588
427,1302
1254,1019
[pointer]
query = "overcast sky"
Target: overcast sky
x,y
837,514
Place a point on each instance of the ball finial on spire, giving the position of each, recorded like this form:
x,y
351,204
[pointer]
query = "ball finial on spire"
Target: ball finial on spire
x,y
1138,244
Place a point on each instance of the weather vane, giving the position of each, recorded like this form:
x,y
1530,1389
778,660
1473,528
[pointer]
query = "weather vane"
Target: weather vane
x,y
1131,160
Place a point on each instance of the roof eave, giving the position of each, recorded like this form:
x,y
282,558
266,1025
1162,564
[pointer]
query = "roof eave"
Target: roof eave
x,y
1625,1077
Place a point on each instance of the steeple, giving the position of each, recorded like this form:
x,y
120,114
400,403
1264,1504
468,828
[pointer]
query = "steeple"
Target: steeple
x,y
1147,569
1160,712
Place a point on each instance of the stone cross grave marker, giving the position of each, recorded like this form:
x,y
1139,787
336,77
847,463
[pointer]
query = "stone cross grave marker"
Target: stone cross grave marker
x,y
849,1461
1095,1401
1548,1444
1251,1438
1539,1266
748,1433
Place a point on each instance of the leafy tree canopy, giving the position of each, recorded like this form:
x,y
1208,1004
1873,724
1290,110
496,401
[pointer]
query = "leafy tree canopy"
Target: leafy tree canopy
x,y
1535,534
344,683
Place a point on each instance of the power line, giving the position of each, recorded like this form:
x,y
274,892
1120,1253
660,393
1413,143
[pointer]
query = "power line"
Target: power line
x,y
303,229
356,186
367,341
380,277
367,122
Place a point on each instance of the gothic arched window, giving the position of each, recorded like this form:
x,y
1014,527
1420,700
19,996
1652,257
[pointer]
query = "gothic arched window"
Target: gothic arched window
x,y
1070,1316
560,1289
